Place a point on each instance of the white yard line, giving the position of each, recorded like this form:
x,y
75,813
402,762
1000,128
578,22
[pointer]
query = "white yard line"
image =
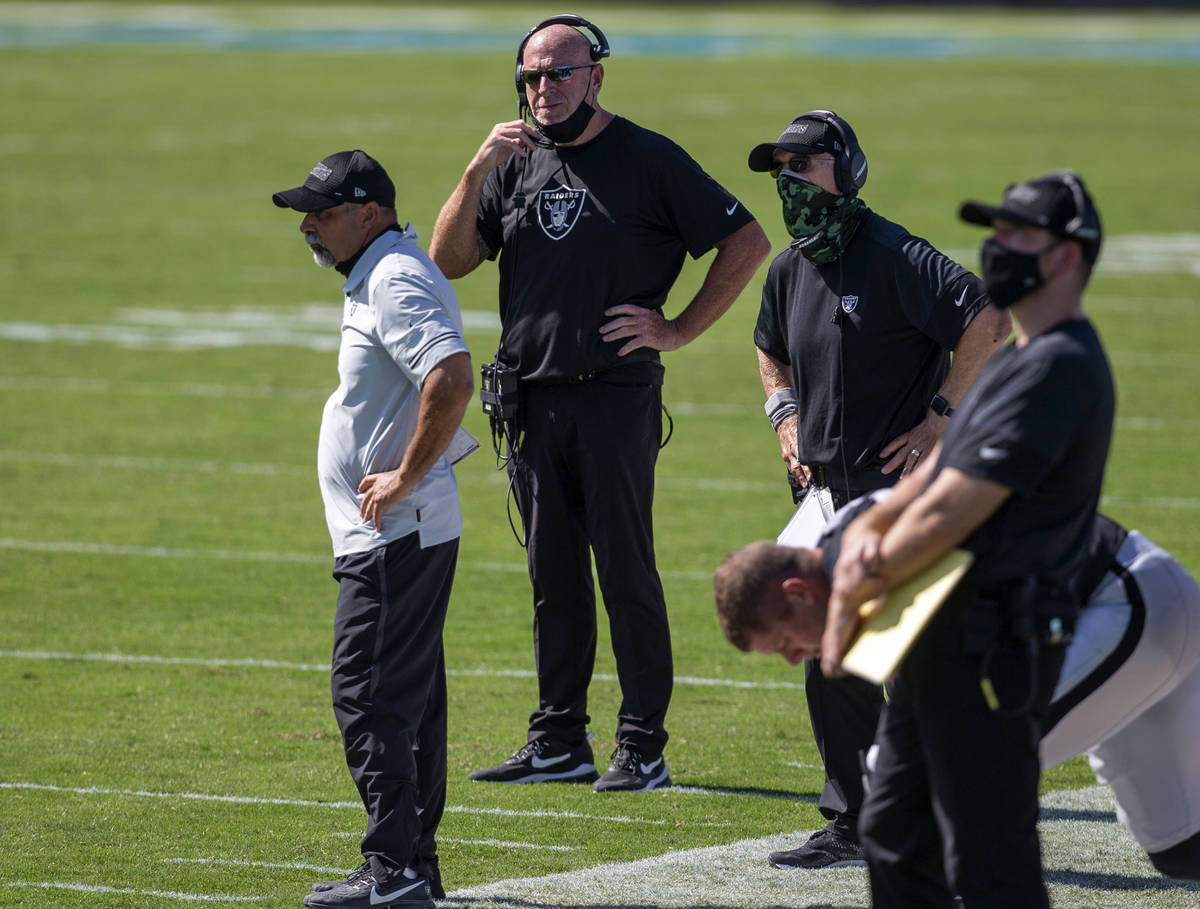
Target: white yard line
x,y
506,844
241,863
80,547
310,803
250,663
129,891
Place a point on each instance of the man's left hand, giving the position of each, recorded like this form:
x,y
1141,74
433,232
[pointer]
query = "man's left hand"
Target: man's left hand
x,y
644,327
379,491
907,449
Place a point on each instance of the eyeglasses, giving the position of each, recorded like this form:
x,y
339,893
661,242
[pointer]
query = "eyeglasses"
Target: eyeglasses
x,y
553,73
798,165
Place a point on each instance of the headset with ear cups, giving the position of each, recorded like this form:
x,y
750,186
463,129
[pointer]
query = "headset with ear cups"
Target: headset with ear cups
x,y
850,165
599,49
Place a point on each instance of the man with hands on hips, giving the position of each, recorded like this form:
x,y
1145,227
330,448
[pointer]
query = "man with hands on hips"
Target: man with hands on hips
x,y
854,338
592,217
391,505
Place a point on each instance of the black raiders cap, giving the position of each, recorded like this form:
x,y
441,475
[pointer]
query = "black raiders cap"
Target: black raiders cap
x,y
347,176
803,136
1057,202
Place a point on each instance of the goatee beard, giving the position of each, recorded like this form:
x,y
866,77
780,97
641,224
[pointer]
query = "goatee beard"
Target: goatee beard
x,y
322,256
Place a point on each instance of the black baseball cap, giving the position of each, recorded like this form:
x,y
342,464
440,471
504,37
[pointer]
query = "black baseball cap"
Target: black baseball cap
x,y
1057,202
803,136
347,176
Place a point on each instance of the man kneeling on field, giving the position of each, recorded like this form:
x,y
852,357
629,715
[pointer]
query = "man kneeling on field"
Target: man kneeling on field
x,y
1131,675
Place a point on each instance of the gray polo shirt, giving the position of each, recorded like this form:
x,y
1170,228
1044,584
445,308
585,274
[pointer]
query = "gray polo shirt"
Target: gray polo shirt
x,y
400,320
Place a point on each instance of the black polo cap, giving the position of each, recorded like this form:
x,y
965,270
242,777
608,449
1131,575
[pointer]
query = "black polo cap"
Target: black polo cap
x,y
348,176
1057,202
803,136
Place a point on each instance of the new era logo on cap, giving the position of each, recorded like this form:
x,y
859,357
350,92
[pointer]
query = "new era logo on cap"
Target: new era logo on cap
x,y
348,176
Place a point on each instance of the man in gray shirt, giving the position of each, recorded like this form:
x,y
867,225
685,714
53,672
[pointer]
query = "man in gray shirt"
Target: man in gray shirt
x,y
391,503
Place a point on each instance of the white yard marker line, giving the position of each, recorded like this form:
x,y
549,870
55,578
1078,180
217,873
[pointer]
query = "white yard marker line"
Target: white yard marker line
x,y
498,844
78,547
185,796
165,894
574,816
161,552
141,464
309,803
241,863
151,659
505,844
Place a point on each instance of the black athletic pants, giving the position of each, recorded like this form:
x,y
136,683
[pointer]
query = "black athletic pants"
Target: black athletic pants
x,y
389,694
844,713
586,478
952,806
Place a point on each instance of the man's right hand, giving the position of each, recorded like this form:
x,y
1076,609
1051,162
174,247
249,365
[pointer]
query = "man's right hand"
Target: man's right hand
x,y
788,450
516,137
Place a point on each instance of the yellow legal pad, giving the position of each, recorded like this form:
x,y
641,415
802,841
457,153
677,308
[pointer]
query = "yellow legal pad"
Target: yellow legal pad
x,y
892,621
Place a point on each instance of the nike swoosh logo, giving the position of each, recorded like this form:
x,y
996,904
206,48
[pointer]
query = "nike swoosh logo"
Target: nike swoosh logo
x,y
961,298
649,768
540,762
988,453
377,897
731,209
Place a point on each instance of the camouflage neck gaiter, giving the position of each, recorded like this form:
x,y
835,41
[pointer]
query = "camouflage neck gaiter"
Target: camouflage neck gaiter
x,y
822,222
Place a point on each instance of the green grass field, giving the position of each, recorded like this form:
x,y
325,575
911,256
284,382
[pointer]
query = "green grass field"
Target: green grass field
x,y
166,347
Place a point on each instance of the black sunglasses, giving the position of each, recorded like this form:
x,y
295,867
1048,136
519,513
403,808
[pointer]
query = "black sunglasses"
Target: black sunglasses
x,y
553,73
797,165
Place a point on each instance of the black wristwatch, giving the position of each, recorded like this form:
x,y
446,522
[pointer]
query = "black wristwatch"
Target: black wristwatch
x,y
941,406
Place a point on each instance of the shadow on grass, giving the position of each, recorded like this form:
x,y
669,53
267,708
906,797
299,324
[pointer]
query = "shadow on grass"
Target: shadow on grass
x,y
1078,814
1125,882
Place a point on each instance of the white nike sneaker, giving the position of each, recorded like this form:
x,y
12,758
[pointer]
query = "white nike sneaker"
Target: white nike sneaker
x,y
630,771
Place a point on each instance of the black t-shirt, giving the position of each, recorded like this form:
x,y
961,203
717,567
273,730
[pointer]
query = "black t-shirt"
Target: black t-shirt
x,y
868,337
1038,420
585,228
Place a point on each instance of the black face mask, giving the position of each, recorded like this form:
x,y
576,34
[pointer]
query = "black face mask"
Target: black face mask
x,y
570,129
1009,275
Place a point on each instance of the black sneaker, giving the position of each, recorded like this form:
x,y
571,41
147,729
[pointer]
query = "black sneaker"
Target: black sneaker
x,y
543,761
360,891
363,870
630,772
825,849
427,870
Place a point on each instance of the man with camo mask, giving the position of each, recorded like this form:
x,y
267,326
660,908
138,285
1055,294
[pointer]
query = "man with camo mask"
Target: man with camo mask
x,y
854,339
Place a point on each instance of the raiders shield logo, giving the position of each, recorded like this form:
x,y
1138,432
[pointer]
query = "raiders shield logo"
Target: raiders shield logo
x,y
558,210
850,302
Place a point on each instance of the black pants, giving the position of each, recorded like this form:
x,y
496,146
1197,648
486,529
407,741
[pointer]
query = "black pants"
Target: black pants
x,y
952,807
586,478
844,713
389,694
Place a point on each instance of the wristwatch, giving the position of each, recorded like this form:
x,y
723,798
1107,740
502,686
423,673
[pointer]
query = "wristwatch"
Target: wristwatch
x,y
941,406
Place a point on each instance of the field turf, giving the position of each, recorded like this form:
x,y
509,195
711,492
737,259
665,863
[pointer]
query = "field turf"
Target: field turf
x,y
166,346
